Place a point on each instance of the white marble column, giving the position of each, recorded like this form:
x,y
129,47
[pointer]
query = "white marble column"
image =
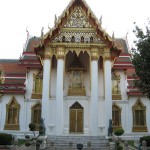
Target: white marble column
x,y
126,117
94,93
108,89
59,91
46,88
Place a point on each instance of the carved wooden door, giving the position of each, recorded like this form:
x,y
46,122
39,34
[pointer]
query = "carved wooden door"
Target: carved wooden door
x,y
76,120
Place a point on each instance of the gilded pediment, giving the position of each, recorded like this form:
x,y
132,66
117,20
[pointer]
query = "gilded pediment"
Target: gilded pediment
x,y
78,20
78,29
77,36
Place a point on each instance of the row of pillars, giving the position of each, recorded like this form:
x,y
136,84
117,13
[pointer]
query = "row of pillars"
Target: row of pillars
x,y
59,94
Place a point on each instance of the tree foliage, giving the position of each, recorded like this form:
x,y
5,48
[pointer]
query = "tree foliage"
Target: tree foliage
x,y
141,59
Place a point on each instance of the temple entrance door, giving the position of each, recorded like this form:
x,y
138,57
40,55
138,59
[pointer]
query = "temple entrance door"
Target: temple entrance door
x,y
76,118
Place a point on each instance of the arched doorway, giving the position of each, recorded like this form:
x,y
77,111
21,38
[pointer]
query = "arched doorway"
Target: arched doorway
x,y
76,118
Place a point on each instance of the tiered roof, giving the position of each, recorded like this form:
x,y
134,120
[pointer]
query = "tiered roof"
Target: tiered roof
x,y
29,58
15,70
14,76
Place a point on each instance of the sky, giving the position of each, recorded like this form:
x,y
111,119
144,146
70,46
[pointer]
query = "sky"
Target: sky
x,y
18,15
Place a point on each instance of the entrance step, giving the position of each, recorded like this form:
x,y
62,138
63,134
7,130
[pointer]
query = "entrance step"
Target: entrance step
x,y
70,142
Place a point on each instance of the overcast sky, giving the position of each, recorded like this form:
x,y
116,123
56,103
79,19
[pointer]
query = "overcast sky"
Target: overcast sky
x,y
17,15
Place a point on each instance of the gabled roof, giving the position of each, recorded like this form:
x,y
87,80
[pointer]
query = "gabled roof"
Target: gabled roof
x,y
29,58
91,17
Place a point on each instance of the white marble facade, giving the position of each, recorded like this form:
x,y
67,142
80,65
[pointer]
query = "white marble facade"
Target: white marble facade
x,y
97,103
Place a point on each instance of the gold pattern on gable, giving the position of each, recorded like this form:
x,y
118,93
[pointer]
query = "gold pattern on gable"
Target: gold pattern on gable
x,y
77,35
78,20
79,28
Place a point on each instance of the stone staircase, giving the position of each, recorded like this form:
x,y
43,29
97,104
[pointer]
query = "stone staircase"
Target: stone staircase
x,y
70,142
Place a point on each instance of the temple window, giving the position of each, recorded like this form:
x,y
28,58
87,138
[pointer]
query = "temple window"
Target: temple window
x,y
73,39
76,71
116,93
91,39
82,39
139,117
36,115
37,86
12,115
116,116
63,39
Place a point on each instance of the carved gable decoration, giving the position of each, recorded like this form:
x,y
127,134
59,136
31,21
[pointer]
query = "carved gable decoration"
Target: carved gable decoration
x,y
89,37
78,29
78,20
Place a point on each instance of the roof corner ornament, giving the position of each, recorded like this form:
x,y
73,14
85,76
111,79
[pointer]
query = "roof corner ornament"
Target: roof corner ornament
x,y
50,30
100,20
55,22
42,33
27,31
49,27
113,36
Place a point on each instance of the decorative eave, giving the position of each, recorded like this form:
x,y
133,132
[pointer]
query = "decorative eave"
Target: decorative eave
x,y
13,91
122,65
52,33
134,93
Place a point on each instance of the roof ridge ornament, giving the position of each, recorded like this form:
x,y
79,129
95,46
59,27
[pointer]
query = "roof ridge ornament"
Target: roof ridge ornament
x,y
42,33
113,36
27,40
55,21
100,20
27,31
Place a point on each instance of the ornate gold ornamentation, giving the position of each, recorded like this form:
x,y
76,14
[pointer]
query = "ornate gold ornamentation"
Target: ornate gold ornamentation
x,y
116,93
12,115
37,85
116,97
41,59
107,55
78,20
60,52
36,114
76,91
94,54
36,96
116,115
139,129
76,118
48,53
76,78
77,34
139,117
2,78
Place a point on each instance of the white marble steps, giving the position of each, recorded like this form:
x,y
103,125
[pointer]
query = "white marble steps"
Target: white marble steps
x,y
70,142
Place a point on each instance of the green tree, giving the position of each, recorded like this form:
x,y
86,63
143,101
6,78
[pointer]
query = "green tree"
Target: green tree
x,y
141,59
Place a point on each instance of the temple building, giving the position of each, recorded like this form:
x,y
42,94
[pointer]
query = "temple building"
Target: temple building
x,y
76,77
